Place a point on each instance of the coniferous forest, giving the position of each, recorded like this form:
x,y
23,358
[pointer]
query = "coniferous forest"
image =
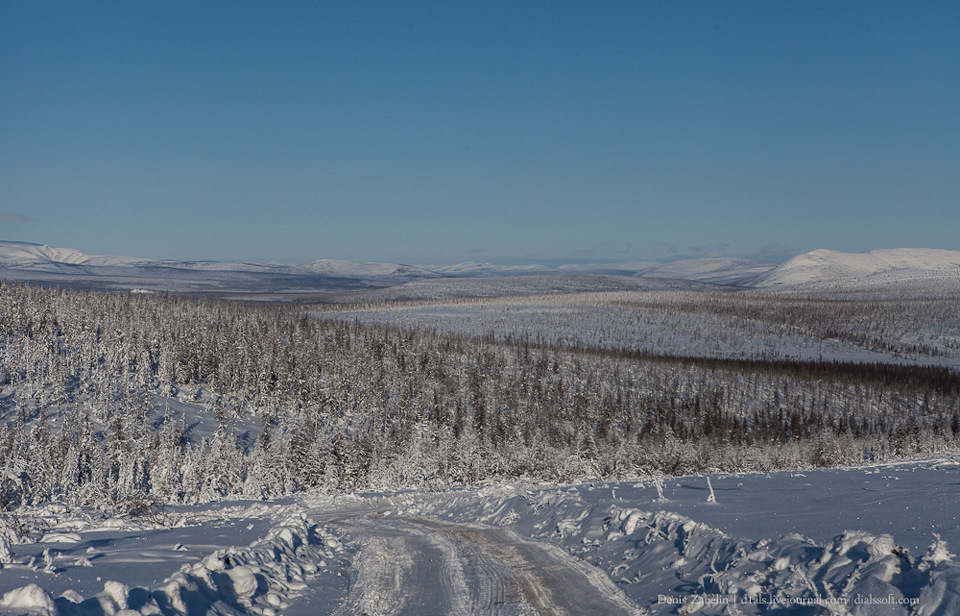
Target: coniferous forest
x,y
128,401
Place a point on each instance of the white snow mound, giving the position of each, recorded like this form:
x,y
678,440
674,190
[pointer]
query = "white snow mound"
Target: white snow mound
x,y
876,267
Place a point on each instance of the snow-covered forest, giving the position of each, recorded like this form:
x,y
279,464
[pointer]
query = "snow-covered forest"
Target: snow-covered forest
x,y
130,401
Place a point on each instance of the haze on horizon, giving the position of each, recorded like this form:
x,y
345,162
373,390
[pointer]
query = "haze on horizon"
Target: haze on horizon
x,y
446,132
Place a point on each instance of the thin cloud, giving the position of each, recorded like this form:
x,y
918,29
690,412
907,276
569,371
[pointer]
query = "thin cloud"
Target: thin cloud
x,y
710,250
12,218
775,252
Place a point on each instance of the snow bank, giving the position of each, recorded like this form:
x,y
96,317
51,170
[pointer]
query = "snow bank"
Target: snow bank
x,y
30,599
262,578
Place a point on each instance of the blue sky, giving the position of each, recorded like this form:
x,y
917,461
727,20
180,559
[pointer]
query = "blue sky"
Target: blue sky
x,y
437,132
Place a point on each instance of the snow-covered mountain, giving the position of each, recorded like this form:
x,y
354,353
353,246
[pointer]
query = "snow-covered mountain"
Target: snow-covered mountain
x,y
833,269
25,255
822,269
817,269
22,261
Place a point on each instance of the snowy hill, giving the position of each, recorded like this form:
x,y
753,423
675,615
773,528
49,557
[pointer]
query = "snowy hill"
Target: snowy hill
x,y
26,262
818,269
24,254
833,269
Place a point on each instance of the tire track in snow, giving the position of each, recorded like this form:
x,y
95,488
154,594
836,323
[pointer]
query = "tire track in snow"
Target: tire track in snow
x,y
397,572
547,578
416,566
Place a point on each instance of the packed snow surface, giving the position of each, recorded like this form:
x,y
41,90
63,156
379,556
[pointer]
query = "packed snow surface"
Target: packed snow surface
x,y
870,540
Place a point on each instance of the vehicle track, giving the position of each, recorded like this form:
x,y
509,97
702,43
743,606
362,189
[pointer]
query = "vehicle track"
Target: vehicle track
x,y
409,566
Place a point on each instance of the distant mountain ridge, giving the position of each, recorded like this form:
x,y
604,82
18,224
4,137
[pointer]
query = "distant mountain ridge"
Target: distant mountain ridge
x,y
828,269
387,272
23,261
24,254
817,268
714,270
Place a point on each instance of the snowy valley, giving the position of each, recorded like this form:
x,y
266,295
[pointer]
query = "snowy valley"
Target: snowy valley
x,y
711,438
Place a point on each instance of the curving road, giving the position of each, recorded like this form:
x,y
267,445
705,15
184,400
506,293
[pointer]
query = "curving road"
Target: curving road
x,y
423,567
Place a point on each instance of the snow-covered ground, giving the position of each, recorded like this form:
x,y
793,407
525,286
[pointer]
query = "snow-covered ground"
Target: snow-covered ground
x,y
661,322
867,540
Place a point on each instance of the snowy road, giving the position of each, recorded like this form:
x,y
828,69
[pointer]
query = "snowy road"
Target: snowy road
x,y
516,549
426,567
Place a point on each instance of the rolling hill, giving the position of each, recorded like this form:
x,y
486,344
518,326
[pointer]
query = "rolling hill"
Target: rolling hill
x,y
26,262
833,269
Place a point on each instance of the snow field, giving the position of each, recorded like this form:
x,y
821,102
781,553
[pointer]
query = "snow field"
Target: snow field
x,y
702,324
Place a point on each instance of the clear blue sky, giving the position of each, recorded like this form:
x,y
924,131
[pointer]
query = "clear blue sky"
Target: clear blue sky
x,y
436,132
